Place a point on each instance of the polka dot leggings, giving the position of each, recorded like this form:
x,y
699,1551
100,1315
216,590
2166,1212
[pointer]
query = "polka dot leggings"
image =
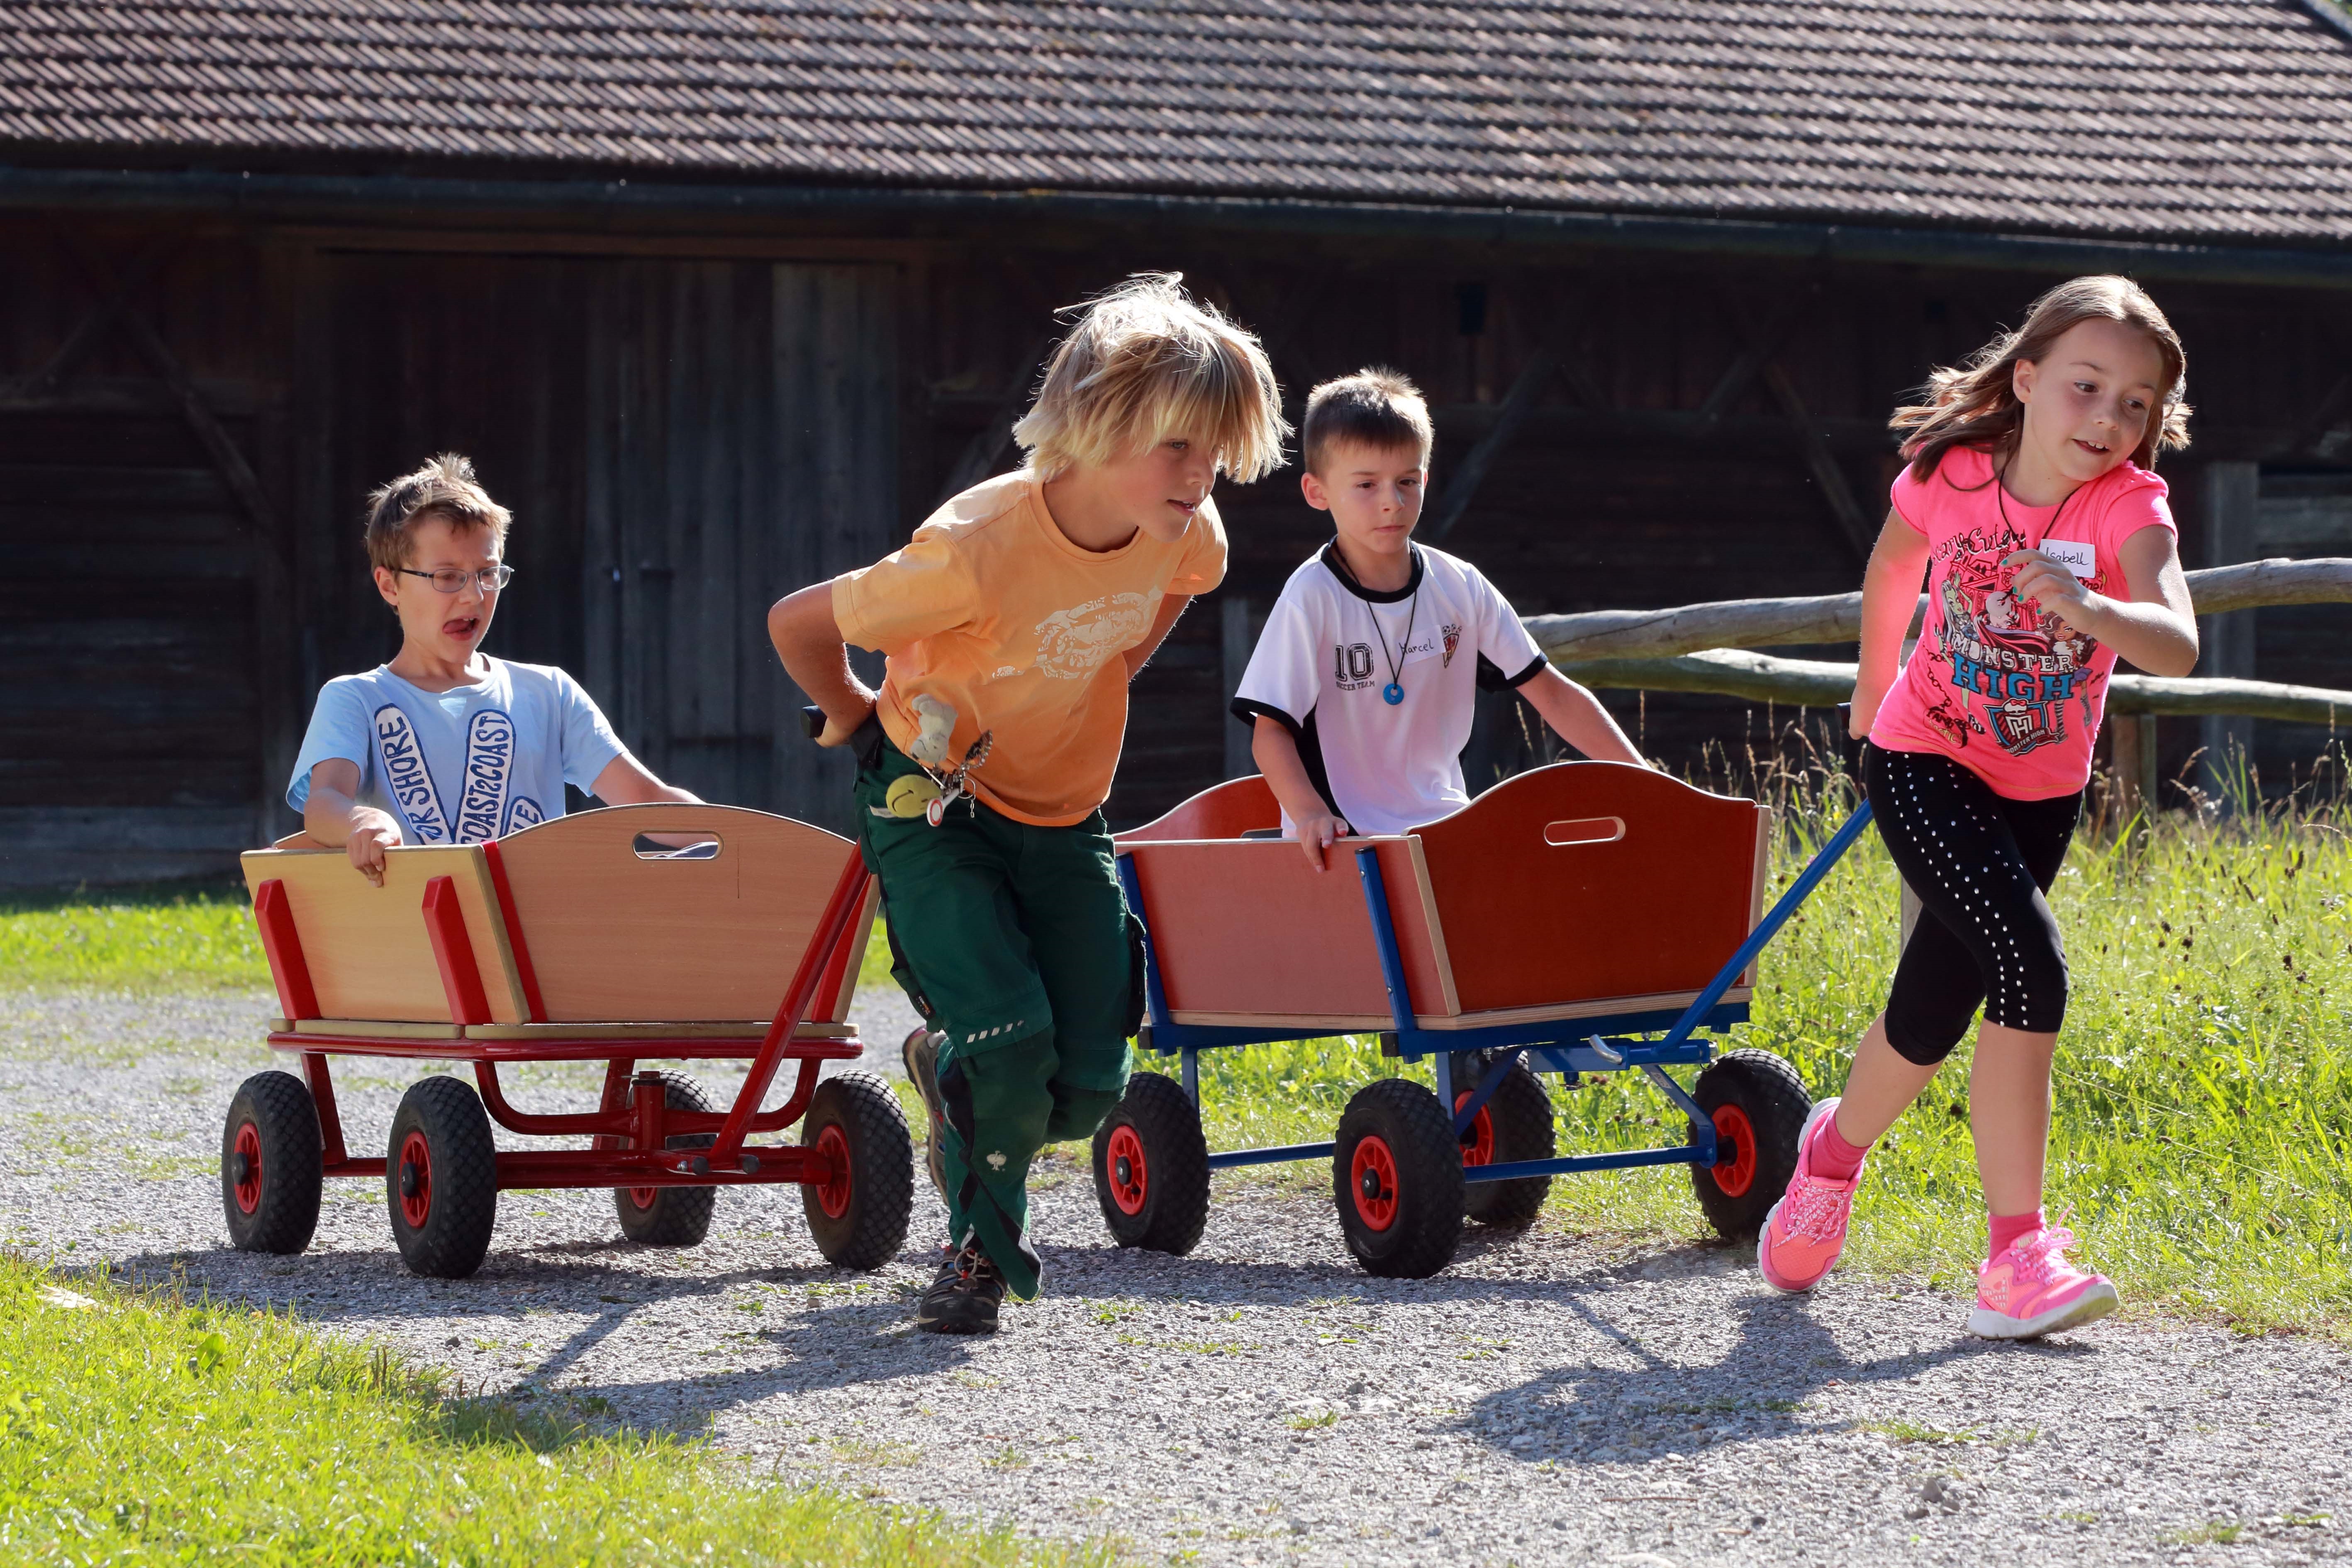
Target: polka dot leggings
x,y
1980,863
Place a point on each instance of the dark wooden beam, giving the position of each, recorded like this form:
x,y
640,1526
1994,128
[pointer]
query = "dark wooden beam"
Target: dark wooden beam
x,y
988,445
50,380
1821,462
1517,404
1753,352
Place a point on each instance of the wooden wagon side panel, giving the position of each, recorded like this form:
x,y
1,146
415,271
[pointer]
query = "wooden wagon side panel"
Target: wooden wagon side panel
x,y
1246,931
613,936
1226,810
1592,880
368,950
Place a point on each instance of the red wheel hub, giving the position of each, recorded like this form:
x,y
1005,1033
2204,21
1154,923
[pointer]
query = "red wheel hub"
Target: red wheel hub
x,y
643,1197
1372,1177
416,1177
833,1191
1130,1177
1478,1137
248,1172
1735,1151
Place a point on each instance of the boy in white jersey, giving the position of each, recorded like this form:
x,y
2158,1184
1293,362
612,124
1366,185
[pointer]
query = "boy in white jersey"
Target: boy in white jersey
x,y
444,744
1363,685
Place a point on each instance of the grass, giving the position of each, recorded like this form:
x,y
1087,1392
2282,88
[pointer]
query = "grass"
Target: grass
x,y
145,939
145,1429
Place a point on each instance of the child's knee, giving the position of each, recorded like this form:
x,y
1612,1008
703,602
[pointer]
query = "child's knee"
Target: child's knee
x,y
1087,1081
1000,1102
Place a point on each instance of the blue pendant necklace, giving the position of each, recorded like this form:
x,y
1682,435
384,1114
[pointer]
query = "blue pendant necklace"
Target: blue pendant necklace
x,y
1393,693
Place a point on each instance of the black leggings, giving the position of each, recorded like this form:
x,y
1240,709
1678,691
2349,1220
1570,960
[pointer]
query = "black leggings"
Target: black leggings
x,y
1979,863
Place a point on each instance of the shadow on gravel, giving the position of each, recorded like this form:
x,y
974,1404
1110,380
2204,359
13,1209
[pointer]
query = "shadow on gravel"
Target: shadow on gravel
x,y
1756,1391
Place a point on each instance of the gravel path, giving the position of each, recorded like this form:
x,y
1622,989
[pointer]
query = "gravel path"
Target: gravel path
x,y
1260,1401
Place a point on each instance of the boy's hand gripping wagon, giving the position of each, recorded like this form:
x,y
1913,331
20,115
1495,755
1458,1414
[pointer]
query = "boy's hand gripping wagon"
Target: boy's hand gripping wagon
x,y
1546,926
579,939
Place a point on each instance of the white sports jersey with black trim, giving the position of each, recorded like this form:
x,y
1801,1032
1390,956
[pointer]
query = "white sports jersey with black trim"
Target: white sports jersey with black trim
x,y
1330,649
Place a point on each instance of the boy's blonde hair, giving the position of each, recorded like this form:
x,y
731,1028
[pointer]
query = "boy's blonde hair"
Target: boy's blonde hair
x,y
1375,407
445,488
1975,404
1146,361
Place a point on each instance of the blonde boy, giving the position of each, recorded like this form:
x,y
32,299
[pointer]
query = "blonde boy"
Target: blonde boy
x,y
1362,687
446,743
1013,624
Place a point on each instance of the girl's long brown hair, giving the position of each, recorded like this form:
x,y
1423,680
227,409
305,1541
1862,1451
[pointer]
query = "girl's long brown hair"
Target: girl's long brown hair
x,y
1975,404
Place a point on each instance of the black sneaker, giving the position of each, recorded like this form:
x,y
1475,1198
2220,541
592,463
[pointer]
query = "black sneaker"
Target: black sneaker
x,y
921,1054
965,1296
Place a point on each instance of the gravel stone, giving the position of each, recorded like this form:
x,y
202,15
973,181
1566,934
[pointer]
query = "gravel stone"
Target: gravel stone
x,y
1546,1400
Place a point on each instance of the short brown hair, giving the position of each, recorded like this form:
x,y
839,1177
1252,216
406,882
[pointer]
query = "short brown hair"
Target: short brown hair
x,y
445,488
1145,361
1374,407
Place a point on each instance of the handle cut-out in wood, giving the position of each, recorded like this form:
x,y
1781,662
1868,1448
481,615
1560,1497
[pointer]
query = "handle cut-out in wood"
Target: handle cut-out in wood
x,y
648,846
1585,830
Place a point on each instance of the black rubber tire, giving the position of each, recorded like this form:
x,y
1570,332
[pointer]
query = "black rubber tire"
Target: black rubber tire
x,y
678,1215
1425,1223
461,1184
1174,1204
1767,1092
1519,1115
278,1107
872,1226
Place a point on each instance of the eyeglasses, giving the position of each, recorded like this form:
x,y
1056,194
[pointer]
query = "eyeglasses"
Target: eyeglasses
x,y
453,580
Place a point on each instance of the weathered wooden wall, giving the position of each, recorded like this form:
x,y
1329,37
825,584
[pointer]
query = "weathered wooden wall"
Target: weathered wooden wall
x,y
688,426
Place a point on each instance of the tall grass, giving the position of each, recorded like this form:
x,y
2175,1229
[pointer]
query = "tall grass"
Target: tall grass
x,y
2203,1079
141,1427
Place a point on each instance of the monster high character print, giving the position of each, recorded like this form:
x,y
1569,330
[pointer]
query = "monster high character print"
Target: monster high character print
x,y
2012,669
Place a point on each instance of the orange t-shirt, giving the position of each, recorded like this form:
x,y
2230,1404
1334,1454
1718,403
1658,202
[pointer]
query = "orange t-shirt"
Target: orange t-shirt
x,y
993,612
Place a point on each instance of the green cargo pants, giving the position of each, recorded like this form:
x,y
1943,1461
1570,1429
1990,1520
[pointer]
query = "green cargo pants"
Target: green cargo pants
x,y
1015,941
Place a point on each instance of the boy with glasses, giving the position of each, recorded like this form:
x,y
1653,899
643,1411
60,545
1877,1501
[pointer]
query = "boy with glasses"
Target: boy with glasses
x,y
444,744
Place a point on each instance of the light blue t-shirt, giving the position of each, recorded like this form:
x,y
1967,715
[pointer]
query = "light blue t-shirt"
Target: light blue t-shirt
x,y
461,765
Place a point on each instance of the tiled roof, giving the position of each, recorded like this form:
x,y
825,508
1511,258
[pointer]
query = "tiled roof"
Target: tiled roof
x,y
2208,120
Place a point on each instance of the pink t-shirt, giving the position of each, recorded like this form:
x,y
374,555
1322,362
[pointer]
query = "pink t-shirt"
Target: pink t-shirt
x,y
1997,687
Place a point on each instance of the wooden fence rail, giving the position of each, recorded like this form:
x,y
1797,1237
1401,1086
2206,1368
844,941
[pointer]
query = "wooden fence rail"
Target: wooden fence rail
x,y
1814,683
1572,640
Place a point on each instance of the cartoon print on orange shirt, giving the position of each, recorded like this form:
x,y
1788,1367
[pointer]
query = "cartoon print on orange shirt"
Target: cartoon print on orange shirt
x,y
2016,663
1073,644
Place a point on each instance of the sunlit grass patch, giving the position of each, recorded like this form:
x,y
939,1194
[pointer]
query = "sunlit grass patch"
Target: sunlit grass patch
x,y
131,939
138,1428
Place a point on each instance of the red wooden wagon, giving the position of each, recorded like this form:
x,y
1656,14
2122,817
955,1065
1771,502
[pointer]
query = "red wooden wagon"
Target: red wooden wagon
x,y
580,939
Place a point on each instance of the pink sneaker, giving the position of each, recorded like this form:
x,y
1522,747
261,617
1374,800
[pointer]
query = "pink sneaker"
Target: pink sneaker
x,y
2031,1291
1806,1229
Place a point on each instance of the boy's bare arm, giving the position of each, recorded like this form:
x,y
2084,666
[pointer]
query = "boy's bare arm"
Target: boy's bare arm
x,y
816,657
1171,605
1276,755
627,782
1577,716
332,815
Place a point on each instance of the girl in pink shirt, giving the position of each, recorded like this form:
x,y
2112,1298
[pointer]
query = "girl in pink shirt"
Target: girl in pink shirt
x,y
2031,507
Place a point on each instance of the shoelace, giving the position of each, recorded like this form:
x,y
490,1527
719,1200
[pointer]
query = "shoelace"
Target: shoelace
x,y
2042,1254
1817,1206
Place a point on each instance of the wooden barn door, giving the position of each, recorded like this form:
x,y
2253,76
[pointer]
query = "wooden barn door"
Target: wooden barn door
x,y
742,442
682,442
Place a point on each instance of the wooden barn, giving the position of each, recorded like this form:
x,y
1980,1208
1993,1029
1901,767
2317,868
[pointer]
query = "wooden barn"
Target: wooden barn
x,y
722,296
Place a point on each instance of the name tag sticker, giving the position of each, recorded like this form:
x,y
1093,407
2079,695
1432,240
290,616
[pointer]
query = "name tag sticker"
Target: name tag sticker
x,y
2077,556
